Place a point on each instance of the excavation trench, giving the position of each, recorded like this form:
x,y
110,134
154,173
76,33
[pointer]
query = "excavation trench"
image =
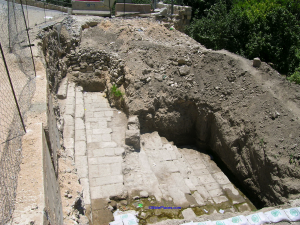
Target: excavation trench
x,y
191,152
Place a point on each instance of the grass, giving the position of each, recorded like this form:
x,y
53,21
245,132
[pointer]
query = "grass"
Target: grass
x,y
116,92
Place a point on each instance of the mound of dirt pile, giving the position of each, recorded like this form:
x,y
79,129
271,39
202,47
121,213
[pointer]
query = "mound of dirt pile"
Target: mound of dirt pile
x,y
249,117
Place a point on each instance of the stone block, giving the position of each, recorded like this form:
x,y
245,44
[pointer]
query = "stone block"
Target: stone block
x,y
99,152
68,120
190,184
80,135
93,160
70,110
119,151
188,214
79,111
179,181
86,190
94,171
63,89
212,186
201,172
69,143
203,192
109,113
133,123
93,146
113,159
105,137
69,131
221,178
220,199
102,131
104,170
216,192
82,170
116,168
81,161
110,144
96,192
256,62
71,90
79,124
109,151
80,148
206,179
106,180
132,138
171,167
198,198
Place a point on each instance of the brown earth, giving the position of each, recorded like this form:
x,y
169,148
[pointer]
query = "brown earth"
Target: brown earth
x,y
248,117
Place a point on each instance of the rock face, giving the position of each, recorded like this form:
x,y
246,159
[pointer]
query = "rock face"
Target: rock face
x,y
248,117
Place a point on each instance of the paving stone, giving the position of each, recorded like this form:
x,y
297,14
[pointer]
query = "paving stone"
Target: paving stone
x,y
203,192
102,131
96,137
216,192
93,161
94,171
212,186
119,151
220,199
116,168
71,90
178,180
171,167
80,135
86,190
63,89
79,111
206,179
81,161
190,184
188,214
80,148
104,170
109,151
79,124
114,159
69,143
68,120
244,207
178,196
201,172
82,170
69,131
198,198
70,110
114,179
194,180
89,114
198,166
221,178
89,132
69,152
98,114
105,137
99,152
96,192
165,155
108,144
93,146
113,190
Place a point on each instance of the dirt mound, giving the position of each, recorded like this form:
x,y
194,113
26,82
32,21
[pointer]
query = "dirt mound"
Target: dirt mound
x,y
191,95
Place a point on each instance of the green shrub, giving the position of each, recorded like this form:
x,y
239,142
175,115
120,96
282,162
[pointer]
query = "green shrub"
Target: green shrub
x,y
252,28
116,92
295,77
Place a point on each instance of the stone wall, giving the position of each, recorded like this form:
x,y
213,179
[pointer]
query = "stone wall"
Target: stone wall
x,y
43,5
181,15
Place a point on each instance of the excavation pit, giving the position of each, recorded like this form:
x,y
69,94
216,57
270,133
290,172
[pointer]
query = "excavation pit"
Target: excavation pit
x,y
178,97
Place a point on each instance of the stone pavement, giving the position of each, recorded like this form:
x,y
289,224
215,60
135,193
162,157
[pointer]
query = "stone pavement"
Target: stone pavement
x,y
94,136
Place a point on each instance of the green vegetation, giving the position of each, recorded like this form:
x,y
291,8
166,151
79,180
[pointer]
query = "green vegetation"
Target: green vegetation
x,y
116,92
268,29
141,1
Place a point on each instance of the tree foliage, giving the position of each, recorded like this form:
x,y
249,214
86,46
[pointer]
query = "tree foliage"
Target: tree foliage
x,y
268,29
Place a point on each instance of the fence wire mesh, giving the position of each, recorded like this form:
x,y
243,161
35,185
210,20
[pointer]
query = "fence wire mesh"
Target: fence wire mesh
x,y
20,70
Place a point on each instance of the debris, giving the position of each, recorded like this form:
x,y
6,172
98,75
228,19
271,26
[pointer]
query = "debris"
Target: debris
x,y
221,211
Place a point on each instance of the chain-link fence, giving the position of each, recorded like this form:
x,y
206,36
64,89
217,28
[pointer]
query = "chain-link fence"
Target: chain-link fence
x,y
17,85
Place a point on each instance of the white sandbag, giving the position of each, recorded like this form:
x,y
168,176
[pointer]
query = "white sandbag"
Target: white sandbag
x,y
221,222
189,223
203,223
277,215
130,221
293,214
257,219
119,222
239,220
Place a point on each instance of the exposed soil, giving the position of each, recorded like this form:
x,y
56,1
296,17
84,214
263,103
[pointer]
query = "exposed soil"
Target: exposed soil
x,y
248,117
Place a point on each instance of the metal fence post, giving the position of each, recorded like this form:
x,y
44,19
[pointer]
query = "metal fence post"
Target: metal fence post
x,y
28,38
12,88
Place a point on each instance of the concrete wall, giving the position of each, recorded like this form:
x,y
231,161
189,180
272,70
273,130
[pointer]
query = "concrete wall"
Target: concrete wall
x,y
132,8
53,207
